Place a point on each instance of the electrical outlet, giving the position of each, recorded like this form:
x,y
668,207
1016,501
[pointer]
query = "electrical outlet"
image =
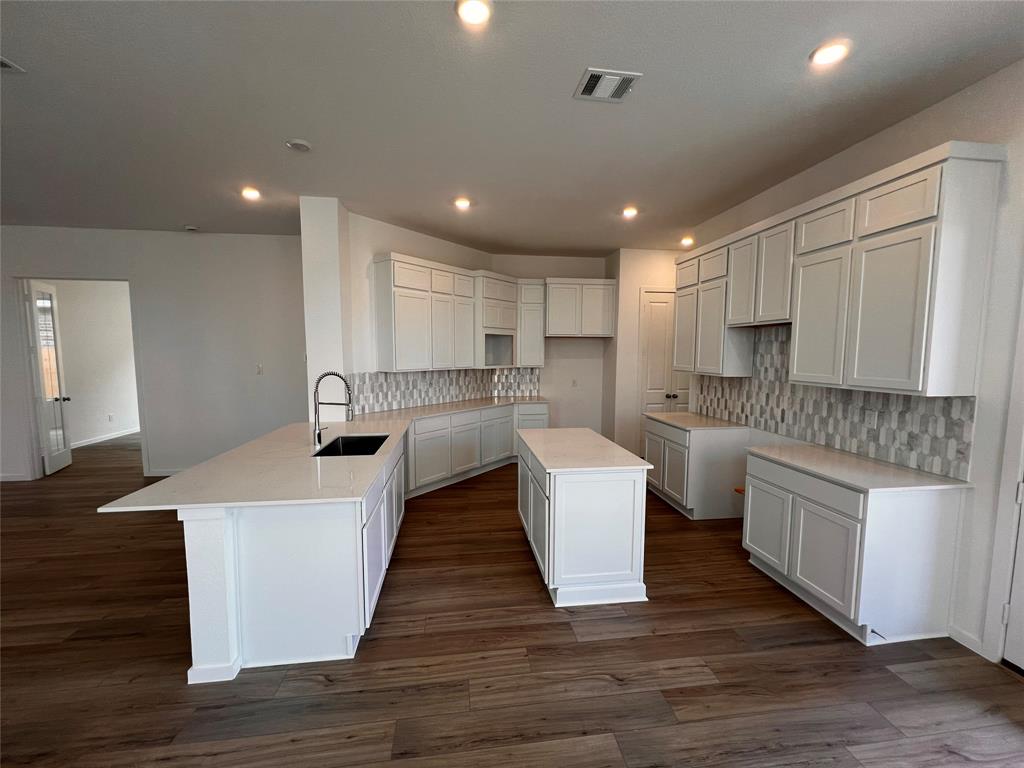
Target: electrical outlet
x,y
110,417
871,419
259,369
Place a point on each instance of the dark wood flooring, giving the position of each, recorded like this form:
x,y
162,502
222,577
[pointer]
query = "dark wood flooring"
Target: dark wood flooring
x,y
467,663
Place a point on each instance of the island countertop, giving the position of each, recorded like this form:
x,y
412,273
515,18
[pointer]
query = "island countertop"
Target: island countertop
x,y
689,421
578,449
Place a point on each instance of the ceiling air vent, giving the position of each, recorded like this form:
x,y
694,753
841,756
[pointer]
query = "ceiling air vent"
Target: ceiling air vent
x,y
605,84
6,65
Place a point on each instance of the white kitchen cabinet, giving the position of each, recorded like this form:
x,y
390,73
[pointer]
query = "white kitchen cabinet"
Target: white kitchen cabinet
x,y
710,353
412,329
889,290
391,518
432,456
374,558
654,453
742,282
687,274
767,517
501,290
714,265
563,309
539,520
465,313
530,335
465,447
531,291
495,439
441,281
903,201
523,498
826,554
774,274
597,310
821,292
499,314
684,346
442,331
410,276
825,227
465,286
675,464
400,492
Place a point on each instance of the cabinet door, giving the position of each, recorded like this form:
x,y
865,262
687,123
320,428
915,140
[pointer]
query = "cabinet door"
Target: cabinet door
x,y
685,344
400,493
412,330
391,517
504,437
826,226
442,331
654,454
530,335
710,327
826,555
821,293
433,456
889,310
465,327
742,274
465,448
499,314
674,480
523,498
563,310
495,440
539,520
774,273
767,515
374,559
899,202
597,315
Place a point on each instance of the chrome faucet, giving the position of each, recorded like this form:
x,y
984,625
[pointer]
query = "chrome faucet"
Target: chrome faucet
x,y
317,431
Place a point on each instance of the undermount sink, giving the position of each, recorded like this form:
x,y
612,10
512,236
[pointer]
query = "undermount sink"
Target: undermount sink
x,y
352,445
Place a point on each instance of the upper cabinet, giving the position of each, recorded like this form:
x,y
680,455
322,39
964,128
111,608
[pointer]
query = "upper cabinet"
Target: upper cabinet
x,y
884,279
580,307
530,329
703,341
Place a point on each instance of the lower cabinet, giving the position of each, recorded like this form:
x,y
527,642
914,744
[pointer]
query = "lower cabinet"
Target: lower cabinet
x,y
523,498
375,554
674,477
495,439
539,522
432,456
826,554
766,523
465,448
654,454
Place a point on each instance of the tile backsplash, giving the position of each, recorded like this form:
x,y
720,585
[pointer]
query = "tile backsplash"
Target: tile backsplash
x,y
377,391
933,434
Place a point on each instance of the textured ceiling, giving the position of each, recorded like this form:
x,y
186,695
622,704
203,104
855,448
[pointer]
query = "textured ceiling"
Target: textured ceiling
x,y
152,115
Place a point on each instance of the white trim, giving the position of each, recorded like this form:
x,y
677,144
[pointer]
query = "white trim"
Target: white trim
x,y
214,674
102,438
12,477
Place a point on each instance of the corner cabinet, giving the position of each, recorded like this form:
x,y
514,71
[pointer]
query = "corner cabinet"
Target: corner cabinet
x,y
703,342
579,307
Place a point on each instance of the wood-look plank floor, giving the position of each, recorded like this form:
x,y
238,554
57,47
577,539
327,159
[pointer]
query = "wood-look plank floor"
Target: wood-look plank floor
x,y
467,663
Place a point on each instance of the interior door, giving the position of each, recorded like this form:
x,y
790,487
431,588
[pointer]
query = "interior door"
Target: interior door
x,y
50,394
657,310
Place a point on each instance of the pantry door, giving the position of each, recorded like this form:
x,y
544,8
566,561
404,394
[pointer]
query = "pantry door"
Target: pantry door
x,y
48,373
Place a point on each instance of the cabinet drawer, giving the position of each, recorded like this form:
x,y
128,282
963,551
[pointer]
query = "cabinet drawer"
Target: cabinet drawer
x,y
410,276
441,282
374,494
431,424
464,286
714,265
675,434
533,409
538,472
837,497
499,289
467,417
501,412
903,201
827,226
531,293
687,274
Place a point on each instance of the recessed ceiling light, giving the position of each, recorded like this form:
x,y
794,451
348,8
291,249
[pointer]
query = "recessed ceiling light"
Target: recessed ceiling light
x,y
463,203
251,193
191,228
473,12
299,145
629,212
686,242
830,53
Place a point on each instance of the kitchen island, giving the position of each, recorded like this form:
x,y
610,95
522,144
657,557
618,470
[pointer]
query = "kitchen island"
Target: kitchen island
x,y
582,504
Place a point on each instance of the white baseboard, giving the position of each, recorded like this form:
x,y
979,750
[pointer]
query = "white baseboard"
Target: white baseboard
x,y
101,438
12,477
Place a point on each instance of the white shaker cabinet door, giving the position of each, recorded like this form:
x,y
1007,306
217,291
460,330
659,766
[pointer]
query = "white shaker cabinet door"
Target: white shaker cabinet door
x,y
412,330
432,456
374,558
766,522
563,310
464,329
597,312
774,273
654,454
530,335
826,552
674,470
442,331
711,327
524,493
821,293
539,523
889,310
685,344
742,278
465,448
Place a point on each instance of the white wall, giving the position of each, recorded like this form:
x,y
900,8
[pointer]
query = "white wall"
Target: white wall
x,y
991,110
206,309
99,360
547,266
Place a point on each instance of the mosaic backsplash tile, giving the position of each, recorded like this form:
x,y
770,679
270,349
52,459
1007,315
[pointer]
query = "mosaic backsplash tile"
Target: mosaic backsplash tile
x,y
933,434
378,391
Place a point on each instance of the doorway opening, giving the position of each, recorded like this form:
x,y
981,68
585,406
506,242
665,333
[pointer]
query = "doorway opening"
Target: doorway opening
x,y
83,366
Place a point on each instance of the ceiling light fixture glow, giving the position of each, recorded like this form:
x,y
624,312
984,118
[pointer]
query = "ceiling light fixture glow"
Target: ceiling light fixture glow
x,y
298,145
629,212
473,12
686,242
832,52
251,193
462,203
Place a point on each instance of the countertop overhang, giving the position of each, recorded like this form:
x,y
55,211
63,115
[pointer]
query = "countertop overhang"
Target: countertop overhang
x,y
577,450
692,421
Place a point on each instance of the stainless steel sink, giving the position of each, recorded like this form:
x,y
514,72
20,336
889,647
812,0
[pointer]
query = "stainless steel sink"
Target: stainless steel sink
x,y
352,445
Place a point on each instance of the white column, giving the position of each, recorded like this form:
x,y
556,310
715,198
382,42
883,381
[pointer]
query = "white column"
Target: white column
x,y
212,593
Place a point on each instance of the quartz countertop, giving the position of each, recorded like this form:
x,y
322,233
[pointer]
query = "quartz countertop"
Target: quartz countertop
x,y
576,449
279,468
855,472
688,421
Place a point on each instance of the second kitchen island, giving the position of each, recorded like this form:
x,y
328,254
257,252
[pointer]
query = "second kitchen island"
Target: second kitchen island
x,y
582,504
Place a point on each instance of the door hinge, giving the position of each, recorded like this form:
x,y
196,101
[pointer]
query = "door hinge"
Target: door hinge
x,y
1006,614
1020,492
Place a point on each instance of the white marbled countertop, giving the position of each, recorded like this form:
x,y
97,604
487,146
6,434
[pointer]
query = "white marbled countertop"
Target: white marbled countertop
x,y
688,421
278,468
856,472
575,449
